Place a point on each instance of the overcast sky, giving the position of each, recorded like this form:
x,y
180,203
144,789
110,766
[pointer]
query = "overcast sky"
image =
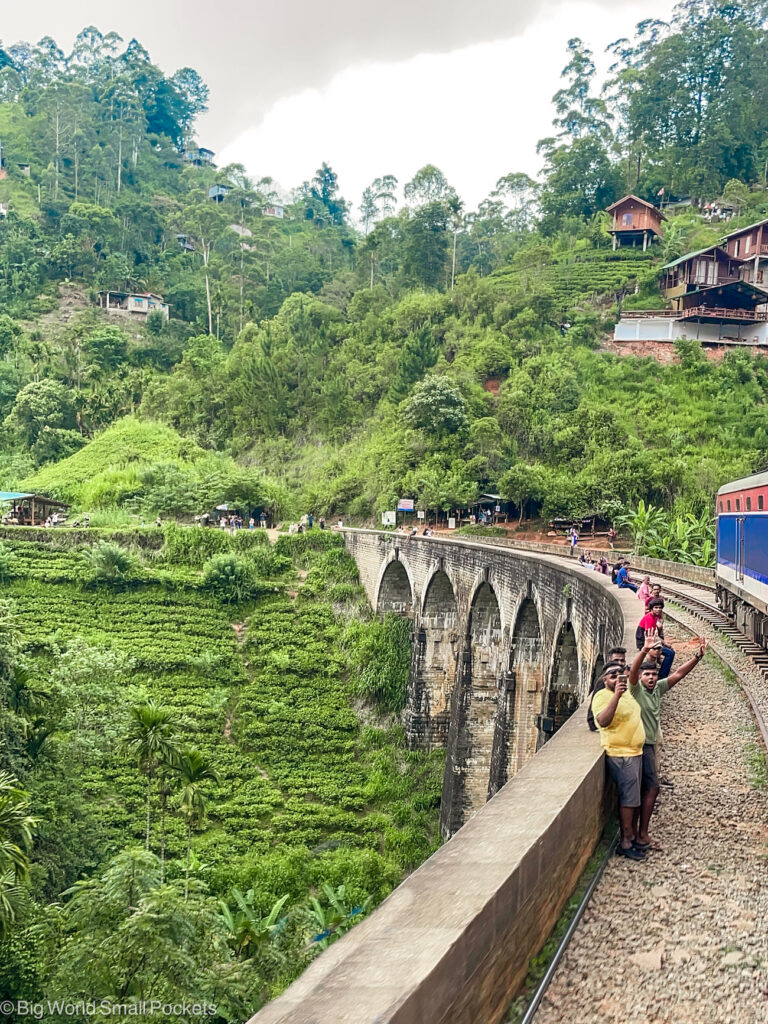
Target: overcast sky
x,y
370,88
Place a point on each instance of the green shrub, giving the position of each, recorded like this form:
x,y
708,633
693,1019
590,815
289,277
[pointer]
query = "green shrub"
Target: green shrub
x,y
8,562
380,657
109,563
231,578
297,544
267,563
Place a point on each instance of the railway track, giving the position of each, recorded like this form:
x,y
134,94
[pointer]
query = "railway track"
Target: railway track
x,y
698,599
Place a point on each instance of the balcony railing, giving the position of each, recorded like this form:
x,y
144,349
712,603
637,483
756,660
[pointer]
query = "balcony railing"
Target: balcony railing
x,y
714,312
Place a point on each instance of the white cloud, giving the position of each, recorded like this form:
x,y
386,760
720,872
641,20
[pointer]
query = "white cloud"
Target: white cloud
x,y
476,113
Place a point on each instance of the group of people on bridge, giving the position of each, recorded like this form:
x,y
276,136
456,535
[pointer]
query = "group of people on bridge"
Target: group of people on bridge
x,y
626,709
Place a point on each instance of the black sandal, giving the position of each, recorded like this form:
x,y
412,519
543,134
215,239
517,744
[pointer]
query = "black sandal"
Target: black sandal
x,y
630,853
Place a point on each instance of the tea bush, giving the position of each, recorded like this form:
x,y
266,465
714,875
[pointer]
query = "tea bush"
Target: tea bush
x,y
306,796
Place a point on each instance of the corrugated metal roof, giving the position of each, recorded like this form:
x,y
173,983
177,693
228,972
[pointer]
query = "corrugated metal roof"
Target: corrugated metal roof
x,y
749,227
756,480
699,252
13,495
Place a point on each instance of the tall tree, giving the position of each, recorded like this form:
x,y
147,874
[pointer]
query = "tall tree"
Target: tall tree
x,y
151,741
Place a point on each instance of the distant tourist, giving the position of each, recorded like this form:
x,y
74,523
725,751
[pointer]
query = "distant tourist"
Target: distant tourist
x,y
611,537
623,580
322,522
574,539
263,520
251,523
644,590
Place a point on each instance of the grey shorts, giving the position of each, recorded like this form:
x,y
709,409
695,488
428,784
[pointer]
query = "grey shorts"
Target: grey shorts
x,y
650,779
626,773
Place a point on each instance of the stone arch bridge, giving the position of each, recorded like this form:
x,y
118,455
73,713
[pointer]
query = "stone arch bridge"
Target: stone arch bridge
x,y
506,645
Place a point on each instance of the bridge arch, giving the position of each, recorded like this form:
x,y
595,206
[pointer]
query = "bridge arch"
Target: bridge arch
x,y
433,664
395,591
563,692
519,689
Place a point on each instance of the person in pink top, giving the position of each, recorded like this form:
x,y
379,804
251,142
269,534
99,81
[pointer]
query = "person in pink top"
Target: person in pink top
x,y
644,590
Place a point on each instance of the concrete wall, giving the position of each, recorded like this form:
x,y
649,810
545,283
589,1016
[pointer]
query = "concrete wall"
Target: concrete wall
x,y
663,328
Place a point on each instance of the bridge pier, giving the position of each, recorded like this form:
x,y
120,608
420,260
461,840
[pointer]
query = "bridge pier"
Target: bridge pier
x,y
434,657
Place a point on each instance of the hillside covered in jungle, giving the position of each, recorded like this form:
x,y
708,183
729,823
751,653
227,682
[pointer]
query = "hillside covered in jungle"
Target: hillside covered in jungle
x,y
203,775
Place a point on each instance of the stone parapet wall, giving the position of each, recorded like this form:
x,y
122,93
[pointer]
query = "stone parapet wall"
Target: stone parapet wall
x,y
692,573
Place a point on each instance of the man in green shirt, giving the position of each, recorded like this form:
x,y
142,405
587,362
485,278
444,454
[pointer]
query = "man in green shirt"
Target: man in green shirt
x,y
648,689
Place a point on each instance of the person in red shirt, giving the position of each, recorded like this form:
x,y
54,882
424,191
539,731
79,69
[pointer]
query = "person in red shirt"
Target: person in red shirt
x,y
652,625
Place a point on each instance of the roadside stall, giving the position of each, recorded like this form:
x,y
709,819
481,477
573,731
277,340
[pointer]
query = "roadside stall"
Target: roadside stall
x,y
30,509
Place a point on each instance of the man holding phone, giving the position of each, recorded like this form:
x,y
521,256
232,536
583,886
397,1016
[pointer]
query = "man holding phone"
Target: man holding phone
x,y
648,689
622,736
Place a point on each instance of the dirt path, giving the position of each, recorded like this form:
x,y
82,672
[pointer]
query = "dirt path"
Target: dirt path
x,y
682,938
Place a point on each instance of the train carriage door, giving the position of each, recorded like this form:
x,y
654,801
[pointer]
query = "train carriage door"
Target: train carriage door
x,y
740,548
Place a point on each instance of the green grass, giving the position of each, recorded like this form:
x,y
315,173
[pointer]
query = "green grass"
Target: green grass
x,y
757,768
109,463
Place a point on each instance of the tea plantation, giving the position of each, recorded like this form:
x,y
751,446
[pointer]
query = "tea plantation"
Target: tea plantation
x,y
313,809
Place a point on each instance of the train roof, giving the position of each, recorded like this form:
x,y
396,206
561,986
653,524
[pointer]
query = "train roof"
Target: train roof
x,y
756,480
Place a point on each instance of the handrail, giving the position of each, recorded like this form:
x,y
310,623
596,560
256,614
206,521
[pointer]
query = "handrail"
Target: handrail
x,y
721,312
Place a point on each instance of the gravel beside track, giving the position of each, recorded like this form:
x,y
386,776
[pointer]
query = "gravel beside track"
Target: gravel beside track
x,y
682,937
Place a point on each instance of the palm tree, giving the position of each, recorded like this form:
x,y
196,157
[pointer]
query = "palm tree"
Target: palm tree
x,y
152,741
194,769
16,827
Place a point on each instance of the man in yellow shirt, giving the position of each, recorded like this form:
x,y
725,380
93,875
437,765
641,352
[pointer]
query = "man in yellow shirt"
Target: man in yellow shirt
x,y
622,736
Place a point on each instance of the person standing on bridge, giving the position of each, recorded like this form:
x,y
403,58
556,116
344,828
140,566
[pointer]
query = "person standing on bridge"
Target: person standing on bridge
x,y
622,736
648,689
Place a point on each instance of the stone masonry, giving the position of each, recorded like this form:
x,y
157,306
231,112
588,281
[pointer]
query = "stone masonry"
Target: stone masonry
x,y
505,647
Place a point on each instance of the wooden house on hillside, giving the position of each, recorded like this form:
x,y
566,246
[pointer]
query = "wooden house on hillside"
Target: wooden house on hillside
x,y
750,245
635,221
705,268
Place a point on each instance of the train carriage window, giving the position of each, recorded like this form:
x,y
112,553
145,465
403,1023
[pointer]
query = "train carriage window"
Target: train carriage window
x,y
738,505
760,502
749,504
721,506
729,504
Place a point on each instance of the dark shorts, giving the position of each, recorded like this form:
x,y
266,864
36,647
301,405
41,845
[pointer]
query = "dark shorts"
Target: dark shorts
x,y
626,773
650,778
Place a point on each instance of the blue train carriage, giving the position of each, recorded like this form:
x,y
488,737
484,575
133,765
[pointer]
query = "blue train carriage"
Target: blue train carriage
x,y
742,554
